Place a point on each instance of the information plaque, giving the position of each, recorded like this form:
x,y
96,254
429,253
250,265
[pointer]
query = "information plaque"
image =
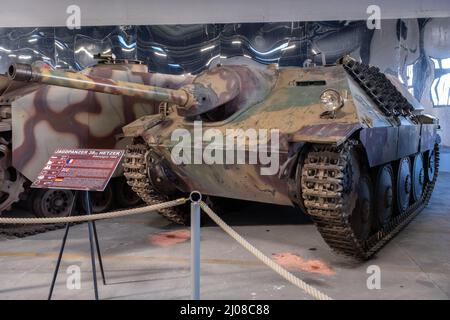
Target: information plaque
x,y
79,169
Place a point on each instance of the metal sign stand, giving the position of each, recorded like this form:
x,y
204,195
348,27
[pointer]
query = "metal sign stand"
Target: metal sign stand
x,y
92,237
83,170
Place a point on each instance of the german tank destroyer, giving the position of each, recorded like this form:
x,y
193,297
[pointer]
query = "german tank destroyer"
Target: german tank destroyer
x,y
37,117
345,144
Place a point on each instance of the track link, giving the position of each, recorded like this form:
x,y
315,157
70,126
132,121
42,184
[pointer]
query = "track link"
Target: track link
x,y
325,195
12,231
135,171
379,88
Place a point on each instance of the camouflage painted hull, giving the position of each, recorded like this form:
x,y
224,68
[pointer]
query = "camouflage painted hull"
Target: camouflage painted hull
x,y
51,117
361,172
346,144
38,118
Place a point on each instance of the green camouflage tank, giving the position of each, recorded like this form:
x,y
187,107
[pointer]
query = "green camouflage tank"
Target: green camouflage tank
x,y
345,144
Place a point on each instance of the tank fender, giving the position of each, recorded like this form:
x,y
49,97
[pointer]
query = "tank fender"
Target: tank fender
x,y
380,144
335,133
386,144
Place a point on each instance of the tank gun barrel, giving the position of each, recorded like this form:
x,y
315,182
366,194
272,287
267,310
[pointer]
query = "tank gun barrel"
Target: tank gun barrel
x,y
76,80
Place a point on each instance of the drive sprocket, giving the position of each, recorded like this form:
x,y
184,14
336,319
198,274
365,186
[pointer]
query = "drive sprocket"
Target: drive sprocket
x,y
135,166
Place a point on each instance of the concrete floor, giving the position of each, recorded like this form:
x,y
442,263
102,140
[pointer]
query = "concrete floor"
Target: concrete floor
x,y
415,265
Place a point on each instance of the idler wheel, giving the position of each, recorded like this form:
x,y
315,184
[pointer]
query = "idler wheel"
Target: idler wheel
x,y
418,177
361,217
384,195
403,185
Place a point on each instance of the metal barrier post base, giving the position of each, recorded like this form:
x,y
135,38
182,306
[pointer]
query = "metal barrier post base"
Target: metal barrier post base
x,y
195,197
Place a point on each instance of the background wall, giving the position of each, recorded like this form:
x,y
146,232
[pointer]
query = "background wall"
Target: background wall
x,y
416,50
42,13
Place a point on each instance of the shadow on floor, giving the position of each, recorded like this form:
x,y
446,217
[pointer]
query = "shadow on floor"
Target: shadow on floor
x,y
246,213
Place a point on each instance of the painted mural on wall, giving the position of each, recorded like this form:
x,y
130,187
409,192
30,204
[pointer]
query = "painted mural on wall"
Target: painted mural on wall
x,y
417,51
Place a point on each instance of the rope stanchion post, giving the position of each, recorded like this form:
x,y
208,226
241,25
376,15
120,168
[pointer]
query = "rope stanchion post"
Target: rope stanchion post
x,y
195,198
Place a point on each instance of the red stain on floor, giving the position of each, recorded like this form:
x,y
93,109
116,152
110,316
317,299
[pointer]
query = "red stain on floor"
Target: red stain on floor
x,y
292,261
170,238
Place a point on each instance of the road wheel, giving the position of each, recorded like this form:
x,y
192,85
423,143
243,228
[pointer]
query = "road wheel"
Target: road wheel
x,y
362,215
101,201
384,195
418,177
51,202
403,184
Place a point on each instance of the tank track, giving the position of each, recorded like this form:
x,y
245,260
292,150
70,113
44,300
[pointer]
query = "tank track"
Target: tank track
x,y
135,171
12,231
323,194
379,88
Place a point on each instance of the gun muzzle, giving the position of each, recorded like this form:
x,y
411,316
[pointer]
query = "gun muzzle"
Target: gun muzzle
x,y
20,72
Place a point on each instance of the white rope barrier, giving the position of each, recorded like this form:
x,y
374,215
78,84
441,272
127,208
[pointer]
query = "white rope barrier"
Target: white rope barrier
x,y
263,258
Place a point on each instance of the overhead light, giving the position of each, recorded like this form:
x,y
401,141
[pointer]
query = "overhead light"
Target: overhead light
x,y
160,54
157,49
445,63
280,47
59,45
124,44
236,42
83,49
210,60
207,48
174,65
292,46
